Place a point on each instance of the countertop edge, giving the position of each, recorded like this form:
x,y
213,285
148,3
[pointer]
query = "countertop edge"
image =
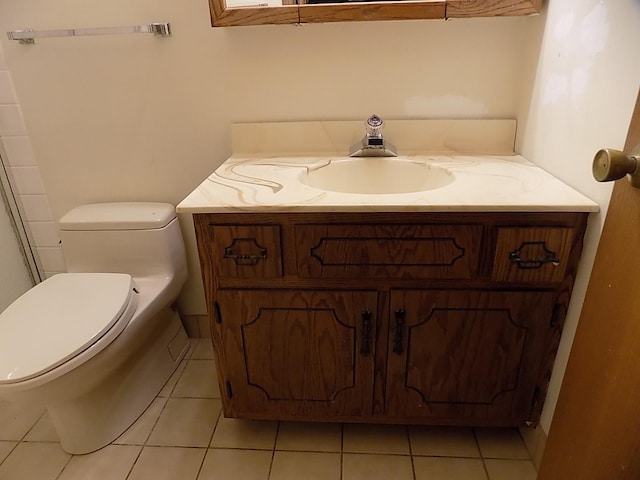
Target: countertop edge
x,y
389,209
240,185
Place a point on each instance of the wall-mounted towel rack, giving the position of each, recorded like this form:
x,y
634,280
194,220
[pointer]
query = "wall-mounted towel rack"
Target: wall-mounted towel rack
x,y
29,36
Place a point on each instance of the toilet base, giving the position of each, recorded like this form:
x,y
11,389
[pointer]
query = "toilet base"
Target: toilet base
x,y
100,415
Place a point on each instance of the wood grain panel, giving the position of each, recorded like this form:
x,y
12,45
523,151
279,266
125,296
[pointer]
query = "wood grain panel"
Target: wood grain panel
x,y
221,16
280,341
295,353
314,339
484,368
363,11
246,251
595,430
289,13
469,355
526,254
397,251
492,8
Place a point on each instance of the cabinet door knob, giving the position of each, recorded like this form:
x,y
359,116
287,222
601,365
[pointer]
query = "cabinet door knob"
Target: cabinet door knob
x,y
397,331
609,164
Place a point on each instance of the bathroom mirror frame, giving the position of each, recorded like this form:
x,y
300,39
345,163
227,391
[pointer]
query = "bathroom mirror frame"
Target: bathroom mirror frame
x,y
223,16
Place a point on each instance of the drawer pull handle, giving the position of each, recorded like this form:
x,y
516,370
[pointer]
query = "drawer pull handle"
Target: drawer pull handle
x,y
397,331
365,340
539,255
245,251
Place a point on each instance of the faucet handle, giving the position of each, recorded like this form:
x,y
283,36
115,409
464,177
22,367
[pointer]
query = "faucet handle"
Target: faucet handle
x,y
374,125
373,145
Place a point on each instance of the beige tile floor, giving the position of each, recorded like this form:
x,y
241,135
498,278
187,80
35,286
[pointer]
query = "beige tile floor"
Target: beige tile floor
x,y
183,436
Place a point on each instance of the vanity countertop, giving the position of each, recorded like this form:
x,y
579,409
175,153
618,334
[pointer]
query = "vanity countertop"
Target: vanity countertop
x,y
482,183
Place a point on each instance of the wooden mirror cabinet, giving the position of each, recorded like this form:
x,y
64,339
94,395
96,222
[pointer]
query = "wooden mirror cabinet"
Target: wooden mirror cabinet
x,y
290,12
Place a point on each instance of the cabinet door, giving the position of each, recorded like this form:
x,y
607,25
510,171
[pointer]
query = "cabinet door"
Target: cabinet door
x,y
288,354
466,357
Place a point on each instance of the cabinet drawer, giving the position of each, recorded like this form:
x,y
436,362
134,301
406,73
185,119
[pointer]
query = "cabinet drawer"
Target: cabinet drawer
x,y
246,251
388,251
535,254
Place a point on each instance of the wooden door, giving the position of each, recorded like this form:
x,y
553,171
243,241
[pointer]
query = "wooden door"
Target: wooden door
x,y
296,353
466,357
595,433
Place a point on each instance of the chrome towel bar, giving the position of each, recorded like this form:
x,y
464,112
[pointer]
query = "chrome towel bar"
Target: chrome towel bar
x,y
28,36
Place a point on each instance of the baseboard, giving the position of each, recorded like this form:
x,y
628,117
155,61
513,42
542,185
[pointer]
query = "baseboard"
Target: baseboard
x,y
535,440
196,326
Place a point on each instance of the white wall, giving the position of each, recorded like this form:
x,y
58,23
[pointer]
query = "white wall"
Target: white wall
x,y
583,78
142,118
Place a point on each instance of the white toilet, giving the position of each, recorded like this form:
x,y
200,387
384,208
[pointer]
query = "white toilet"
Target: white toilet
x,y
97,344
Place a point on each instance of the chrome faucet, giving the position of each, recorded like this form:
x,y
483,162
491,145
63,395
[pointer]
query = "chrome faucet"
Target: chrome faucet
x,y
373,143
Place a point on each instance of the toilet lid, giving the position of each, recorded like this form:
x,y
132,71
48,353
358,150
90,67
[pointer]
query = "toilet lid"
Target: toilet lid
x,y
58,319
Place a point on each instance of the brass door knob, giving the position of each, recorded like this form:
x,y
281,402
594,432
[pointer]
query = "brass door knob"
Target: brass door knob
x,y
609,164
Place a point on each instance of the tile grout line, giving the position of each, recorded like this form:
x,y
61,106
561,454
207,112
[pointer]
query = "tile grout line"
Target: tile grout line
x,y
278,431
208,447
189,353
413,465
144,443
135,462
341,450
22,439
65,465
10,451
484,465
168,397
273,451
331,451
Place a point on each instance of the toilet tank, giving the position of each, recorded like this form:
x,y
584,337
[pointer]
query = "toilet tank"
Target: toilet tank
x,y
139,238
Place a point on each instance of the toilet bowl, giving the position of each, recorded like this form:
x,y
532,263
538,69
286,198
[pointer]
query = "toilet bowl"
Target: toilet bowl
x,y
97,344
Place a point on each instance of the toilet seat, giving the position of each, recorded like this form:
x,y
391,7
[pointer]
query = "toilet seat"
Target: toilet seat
x,y
60,318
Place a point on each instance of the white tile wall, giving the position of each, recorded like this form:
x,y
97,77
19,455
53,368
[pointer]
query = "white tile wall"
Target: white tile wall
x,y
25,179
11,122
19,151
44,234
7,94
36,208
52,259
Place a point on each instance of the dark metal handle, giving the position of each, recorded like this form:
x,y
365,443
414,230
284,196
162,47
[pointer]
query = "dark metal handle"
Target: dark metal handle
x,y
544,256
216,312
365,339
243,259
397,332
245,252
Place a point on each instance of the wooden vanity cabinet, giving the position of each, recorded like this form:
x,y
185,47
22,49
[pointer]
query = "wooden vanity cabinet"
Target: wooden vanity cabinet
x,y
432,318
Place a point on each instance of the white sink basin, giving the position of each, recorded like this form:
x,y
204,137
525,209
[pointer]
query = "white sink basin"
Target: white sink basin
x,y
375,175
